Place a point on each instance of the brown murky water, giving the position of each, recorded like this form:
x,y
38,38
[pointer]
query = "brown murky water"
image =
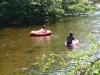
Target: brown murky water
x,y
19,51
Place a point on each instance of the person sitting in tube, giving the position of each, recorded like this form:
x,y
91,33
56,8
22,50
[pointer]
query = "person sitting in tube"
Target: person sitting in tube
x,y
43,30
69,39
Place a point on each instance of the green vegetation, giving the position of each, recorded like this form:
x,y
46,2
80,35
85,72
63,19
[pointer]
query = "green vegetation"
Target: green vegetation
x,y
84,62
20,11
78,6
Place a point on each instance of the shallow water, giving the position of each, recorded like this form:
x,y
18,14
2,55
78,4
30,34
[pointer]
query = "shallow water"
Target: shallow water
x,y
18,51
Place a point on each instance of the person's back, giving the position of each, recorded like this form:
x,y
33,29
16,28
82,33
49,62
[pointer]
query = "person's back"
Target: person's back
x,y
43,30
69,39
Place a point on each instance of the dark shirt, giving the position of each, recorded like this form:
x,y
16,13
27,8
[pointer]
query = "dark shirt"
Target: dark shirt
x,y
69,39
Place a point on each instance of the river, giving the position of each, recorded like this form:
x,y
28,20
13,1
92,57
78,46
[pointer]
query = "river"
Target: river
x,y
18,51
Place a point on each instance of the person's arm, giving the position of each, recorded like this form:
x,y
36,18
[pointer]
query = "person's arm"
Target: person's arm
x,y
73,38
67,38
45,30
41,31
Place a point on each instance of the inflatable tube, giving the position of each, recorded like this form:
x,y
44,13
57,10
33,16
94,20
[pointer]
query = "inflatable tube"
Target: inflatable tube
x,y
36,33
74,44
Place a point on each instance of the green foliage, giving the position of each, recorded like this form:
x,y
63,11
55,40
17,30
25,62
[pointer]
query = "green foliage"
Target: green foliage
x,y
34,10
51,61
78,6
13,11
84,62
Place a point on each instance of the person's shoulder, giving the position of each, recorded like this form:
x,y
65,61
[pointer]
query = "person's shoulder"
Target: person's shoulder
x,y
67,36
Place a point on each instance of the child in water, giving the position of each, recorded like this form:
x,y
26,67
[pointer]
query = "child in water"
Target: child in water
x,y
69,39
43,30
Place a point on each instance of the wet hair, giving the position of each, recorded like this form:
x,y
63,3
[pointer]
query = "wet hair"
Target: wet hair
x,y
71,34
44,26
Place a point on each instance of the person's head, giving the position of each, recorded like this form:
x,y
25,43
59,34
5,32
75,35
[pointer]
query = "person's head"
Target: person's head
x,y
71,33
44,27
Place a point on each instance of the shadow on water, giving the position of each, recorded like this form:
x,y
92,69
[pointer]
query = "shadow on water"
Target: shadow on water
x,y
38,41
20,25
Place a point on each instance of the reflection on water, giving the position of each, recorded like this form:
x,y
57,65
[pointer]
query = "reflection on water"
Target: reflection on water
x,y
40,39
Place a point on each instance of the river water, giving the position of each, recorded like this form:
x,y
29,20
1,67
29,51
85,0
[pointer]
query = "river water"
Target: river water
x,y
18,51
